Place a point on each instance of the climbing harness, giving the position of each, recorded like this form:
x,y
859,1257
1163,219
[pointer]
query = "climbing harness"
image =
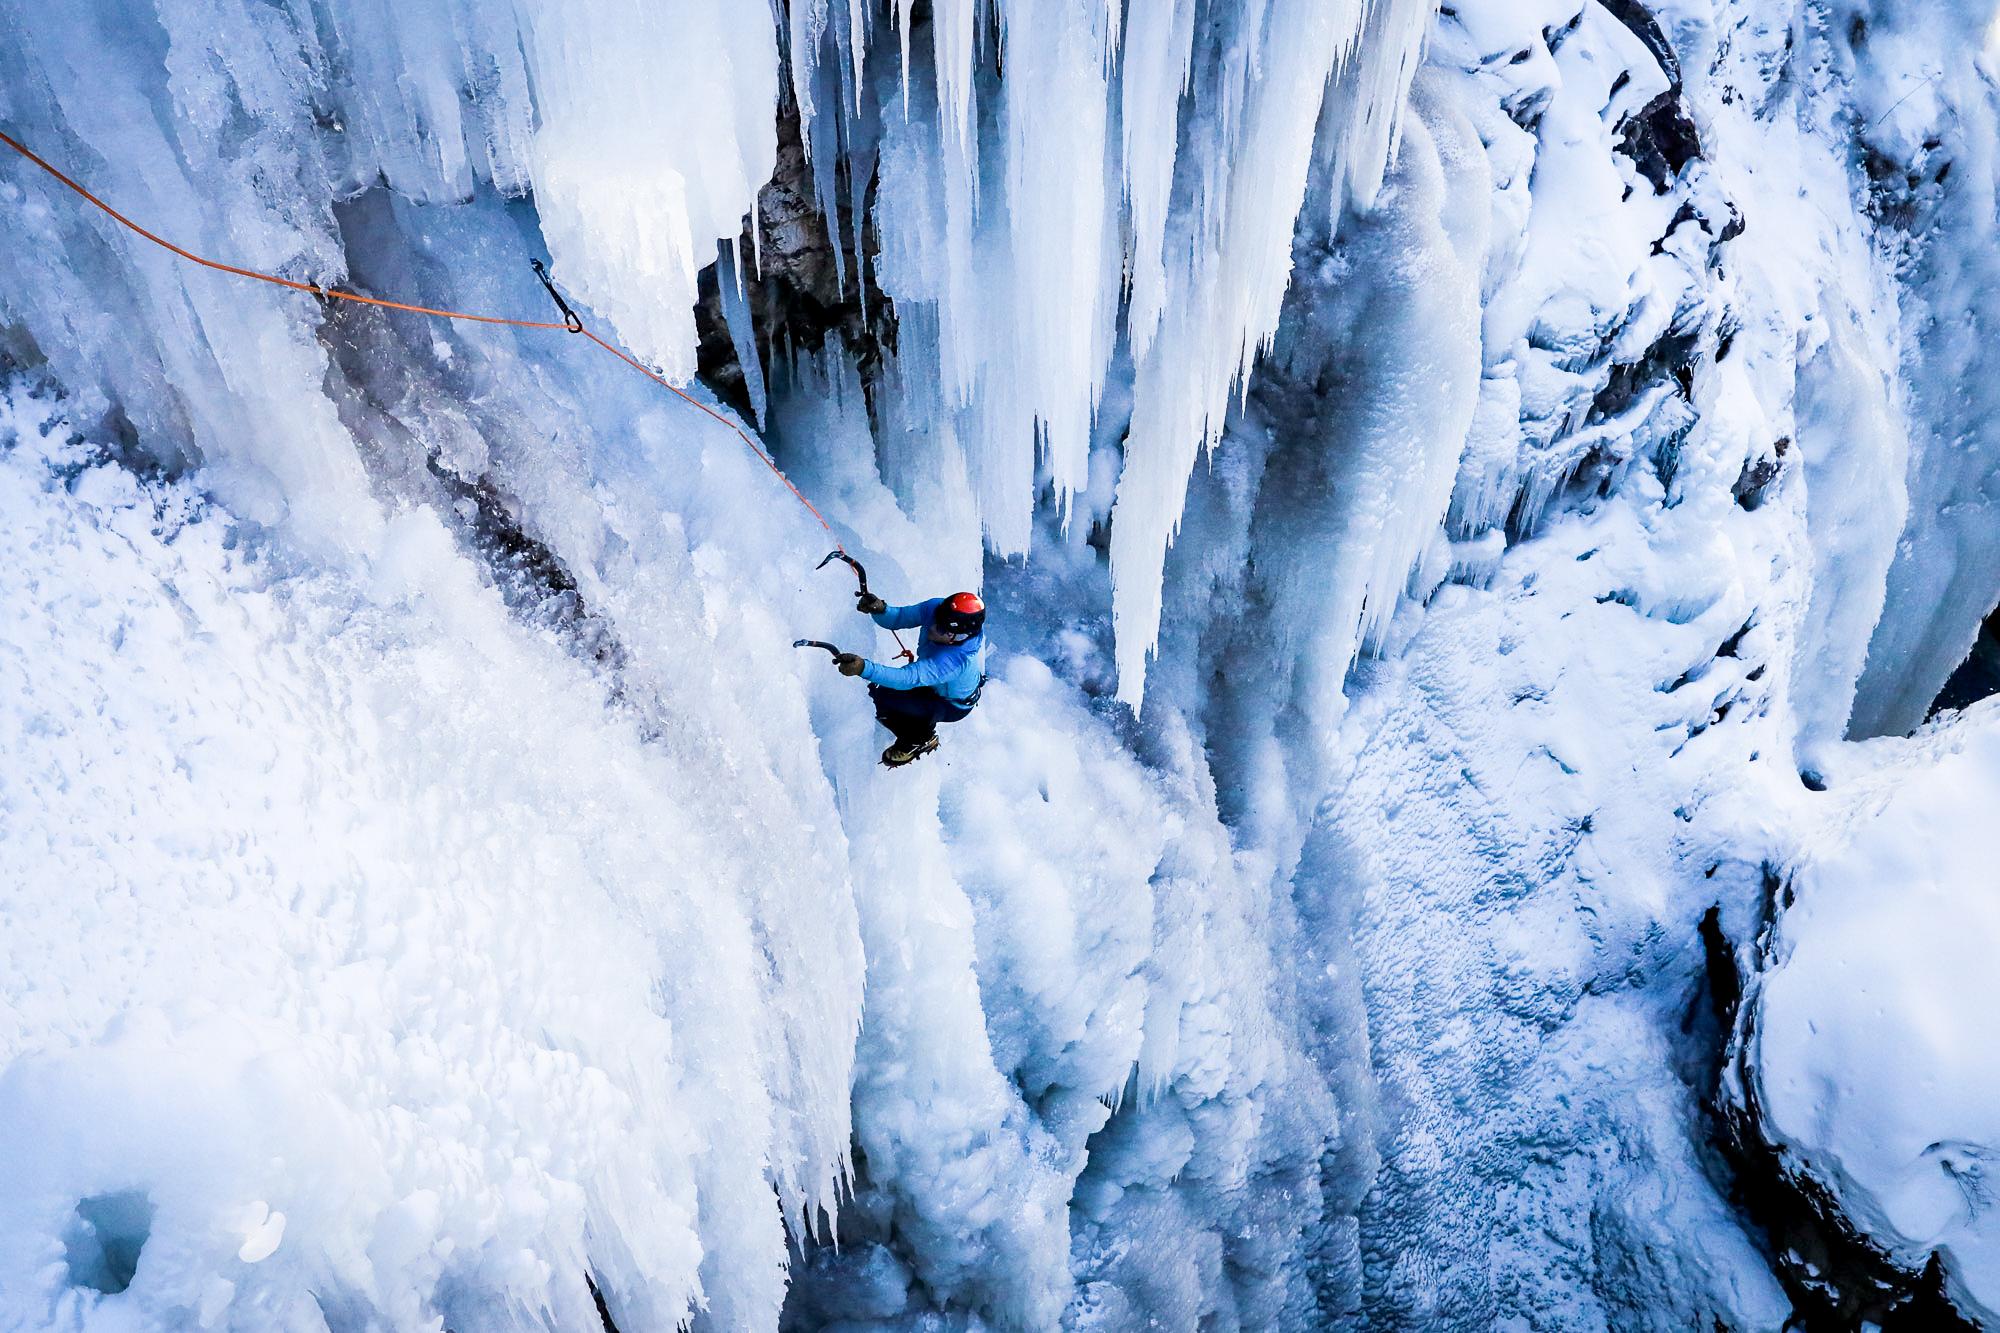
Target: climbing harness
x,y
571,322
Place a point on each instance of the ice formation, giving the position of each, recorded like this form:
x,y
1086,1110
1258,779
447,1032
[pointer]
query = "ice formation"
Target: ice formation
x,y
1142,154
1533,460
326,920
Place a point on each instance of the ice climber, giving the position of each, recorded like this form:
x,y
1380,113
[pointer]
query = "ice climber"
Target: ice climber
x,y
942,684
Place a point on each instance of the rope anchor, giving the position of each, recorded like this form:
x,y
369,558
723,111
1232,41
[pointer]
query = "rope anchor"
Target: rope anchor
x,y
570,319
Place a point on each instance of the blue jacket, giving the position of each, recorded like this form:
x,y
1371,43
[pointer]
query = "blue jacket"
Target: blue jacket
x,y
952,669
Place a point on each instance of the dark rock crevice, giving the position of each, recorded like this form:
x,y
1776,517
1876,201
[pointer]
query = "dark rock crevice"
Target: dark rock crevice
x,y
803,281
531,578
1661,138
1978,676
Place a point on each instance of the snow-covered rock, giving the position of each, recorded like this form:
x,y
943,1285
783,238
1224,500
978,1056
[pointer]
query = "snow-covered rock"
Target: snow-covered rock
x,y
1868,1058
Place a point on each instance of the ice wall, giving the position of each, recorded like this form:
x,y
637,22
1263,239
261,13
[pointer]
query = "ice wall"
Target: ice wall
x,y
1023,210
1562,388
391,149
1678,496
1083,1093
1460,376
364,937
612,566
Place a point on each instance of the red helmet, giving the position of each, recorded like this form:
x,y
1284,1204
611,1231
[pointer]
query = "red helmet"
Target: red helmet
x,y
962,614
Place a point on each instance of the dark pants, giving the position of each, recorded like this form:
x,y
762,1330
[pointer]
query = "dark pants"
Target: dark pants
x,y
913,715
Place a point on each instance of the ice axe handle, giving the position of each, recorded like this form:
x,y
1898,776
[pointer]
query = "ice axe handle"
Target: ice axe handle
x,y
832,651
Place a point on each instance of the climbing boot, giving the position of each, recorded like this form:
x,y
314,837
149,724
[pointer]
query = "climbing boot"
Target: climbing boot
x,y
908,752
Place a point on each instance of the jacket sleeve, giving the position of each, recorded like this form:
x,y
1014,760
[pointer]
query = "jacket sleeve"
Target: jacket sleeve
x,y
907,617
924,672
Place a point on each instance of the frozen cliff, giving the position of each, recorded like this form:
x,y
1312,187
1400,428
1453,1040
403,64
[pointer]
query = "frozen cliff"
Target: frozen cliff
x,y
1489,511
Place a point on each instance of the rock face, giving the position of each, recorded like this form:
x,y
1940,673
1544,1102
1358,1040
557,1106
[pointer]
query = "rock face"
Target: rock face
x,y
801,287
1978,677
1836,1277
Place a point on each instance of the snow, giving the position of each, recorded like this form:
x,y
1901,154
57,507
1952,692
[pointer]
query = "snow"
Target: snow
x,y
367,977
1525,797
1872,1055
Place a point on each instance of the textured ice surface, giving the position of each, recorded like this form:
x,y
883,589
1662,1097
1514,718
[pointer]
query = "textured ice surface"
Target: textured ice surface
x,y
1929,120
357,901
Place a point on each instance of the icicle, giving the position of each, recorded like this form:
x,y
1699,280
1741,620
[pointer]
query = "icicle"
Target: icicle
x,y
1157,60
1224,115
806,28
1225,296
818,88
903,15
651,144
953,23
857,51
1058,196
742,331
1369,96
825,161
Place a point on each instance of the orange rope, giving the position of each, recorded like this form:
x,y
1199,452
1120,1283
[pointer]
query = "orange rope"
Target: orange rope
x,y
661,380
313,288
332,293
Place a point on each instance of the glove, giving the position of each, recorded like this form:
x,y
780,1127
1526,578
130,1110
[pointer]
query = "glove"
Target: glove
x,y
869,604
850,664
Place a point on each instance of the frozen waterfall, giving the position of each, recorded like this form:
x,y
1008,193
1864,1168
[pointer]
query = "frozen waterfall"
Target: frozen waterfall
x,y
1488,514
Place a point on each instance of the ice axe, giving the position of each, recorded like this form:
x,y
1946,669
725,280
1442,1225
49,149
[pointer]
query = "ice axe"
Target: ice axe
x,y
832,652
860,574
861,577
